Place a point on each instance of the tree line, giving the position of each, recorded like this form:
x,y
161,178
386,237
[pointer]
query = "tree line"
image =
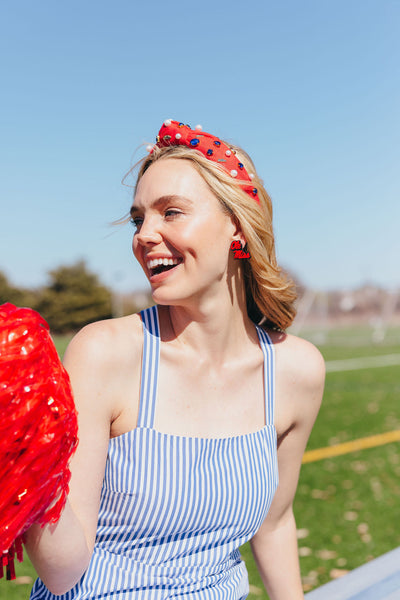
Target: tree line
x,y
73,297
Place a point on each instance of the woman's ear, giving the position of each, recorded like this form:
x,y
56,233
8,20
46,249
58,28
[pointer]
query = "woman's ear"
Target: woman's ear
x,y
238,234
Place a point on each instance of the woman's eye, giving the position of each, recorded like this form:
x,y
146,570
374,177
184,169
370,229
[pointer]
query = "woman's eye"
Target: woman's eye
x,y
172,212
136,221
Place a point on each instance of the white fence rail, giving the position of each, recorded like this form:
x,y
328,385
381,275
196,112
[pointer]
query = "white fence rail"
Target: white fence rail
x,y
376,580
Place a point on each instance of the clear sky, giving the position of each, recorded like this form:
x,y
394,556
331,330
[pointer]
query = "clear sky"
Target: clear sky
x,y
310,89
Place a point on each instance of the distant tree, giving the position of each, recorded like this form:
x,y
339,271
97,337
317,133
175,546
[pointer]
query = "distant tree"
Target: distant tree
x,y
74,298
7,292
17,296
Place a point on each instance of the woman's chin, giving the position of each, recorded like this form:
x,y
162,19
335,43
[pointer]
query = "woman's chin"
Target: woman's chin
x,y
163,296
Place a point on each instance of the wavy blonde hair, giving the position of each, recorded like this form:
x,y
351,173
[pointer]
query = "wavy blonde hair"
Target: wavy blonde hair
x,y
270,295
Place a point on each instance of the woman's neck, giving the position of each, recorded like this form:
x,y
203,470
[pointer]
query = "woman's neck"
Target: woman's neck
x,y
213,328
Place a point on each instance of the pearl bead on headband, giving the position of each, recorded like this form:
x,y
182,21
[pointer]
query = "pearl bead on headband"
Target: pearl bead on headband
x,y
173,133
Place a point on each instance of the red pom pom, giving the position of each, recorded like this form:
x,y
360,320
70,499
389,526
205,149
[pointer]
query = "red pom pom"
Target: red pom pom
x,y
38,429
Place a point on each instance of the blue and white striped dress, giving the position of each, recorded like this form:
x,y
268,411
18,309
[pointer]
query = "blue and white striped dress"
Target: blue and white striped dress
x,y
174,510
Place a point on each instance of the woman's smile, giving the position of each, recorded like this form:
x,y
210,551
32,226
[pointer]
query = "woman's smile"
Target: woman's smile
x,y
159,268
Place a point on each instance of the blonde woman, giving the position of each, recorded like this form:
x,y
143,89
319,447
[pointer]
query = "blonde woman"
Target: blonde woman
x,y
195,413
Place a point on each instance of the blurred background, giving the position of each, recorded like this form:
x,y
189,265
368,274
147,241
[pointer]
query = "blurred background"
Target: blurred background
x,y
312,91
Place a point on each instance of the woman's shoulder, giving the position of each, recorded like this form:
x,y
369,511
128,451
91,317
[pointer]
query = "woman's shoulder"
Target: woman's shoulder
x,y
106,342
299,359
300,377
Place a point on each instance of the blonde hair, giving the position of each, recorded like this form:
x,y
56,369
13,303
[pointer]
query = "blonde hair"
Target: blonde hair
x,y
270,295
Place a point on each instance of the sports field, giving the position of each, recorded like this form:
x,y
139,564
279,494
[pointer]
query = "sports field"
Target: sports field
x,y
347,506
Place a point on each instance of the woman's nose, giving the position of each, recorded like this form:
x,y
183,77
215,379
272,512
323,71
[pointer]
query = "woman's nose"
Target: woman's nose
x,y
148,232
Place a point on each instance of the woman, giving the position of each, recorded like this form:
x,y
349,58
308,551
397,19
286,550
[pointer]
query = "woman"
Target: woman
x,y
188,411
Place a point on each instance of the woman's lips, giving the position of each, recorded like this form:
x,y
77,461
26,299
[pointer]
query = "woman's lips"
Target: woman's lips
x,y
159,269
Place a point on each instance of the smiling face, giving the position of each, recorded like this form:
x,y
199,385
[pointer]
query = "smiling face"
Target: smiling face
x,y
182,239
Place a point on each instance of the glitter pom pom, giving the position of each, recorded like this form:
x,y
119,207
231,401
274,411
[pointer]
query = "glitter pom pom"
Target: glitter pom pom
x,y
38,429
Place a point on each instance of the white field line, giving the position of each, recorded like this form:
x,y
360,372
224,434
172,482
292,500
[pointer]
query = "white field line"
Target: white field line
x,y
367,362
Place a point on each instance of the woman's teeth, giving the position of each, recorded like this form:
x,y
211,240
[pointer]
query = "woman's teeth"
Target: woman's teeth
x,y
159,262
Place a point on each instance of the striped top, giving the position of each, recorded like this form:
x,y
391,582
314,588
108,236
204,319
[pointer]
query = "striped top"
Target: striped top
x,y
174,510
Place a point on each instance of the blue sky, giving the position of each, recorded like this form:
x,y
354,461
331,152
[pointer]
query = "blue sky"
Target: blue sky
x,y
310,89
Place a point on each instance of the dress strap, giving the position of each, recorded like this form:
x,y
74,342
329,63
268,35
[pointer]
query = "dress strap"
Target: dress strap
x,y
150,363
269,374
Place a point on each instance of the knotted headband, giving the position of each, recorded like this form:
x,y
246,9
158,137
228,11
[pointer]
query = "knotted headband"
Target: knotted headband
x,y
173,133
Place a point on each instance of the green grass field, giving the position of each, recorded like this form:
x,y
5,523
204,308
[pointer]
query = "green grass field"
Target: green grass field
x,y
347,508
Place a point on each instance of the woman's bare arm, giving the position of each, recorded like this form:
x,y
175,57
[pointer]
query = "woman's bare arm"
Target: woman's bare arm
x,y
61,553
275,544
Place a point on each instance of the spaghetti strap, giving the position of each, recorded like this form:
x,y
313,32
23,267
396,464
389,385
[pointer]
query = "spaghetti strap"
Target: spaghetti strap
x,y
269,375
150,364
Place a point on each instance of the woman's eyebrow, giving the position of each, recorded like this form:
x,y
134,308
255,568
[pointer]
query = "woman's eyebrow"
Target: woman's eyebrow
x,y
160,202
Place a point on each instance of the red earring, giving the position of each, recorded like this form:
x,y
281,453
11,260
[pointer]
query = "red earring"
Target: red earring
x,y
237,248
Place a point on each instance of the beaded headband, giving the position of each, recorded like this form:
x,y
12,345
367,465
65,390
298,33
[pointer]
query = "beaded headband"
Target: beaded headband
x,y
173,133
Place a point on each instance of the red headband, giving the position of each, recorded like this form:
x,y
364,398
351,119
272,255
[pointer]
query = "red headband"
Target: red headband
x,y
173,133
